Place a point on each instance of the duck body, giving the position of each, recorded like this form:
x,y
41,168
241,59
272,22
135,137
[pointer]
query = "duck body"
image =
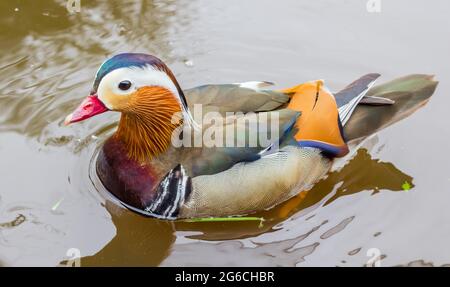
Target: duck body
x,y
300,132
241,189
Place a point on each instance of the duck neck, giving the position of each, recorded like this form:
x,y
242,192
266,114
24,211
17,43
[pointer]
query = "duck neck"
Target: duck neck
x,y
146,128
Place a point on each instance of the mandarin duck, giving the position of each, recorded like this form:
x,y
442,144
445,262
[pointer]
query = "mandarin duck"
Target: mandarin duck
x,y
159,162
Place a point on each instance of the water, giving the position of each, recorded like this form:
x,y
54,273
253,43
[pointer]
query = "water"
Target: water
x,y
47,62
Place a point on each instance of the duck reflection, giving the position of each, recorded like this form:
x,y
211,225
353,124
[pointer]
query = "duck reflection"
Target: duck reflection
x,y
362,173
139,241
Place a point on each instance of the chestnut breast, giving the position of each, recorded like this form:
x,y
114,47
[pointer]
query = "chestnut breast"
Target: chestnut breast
x,y
128,180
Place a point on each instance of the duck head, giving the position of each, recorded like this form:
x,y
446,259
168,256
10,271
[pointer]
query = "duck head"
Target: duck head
x,y
145,91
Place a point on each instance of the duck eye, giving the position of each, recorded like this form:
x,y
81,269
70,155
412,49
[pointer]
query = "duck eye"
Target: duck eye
x,y
124,85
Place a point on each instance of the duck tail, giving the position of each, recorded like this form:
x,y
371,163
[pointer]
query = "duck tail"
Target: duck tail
x,y
328,122
386,104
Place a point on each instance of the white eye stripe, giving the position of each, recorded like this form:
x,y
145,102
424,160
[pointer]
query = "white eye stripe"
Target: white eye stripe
x,y
138,76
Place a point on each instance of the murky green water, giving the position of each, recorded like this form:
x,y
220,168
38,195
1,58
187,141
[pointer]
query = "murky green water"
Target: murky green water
x,y
47,63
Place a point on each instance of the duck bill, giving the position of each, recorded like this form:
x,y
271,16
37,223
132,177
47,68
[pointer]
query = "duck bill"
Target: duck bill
x,y
88,108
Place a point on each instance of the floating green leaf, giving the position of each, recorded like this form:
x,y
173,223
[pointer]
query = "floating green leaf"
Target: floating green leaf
x,y
406,186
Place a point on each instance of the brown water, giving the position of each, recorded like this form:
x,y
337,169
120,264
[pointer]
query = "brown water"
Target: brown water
x,y
47,63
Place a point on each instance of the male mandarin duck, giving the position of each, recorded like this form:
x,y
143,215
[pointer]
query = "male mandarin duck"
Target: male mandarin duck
x,y
143,168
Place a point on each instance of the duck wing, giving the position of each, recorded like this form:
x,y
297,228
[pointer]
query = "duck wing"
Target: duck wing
x,y
241,138
244,97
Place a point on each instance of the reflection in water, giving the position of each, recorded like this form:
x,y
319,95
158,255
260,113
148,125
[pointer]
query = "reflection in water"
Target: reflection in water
x,y
19,19
354,251
139,241
338,228
422,263
372,175
47,65
52,68
276,253
15,222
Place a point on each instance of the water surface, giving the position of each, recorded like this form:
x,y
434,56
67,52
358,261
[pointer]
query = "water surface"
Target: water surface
x,y
48,60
